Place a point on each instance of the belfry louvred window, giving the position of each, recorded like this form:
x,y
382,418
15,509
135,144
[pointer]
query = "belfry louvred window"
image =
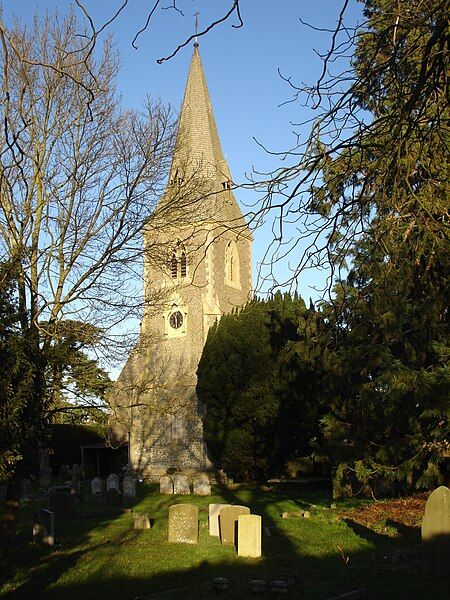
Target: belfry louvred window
x,y
178,263
174,267
183,267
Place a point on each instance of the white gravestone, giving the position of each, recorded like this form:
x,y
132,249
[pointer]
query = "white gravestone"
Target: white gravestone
x,y
249,536
214,511
129,487
201,485
112,482
96,486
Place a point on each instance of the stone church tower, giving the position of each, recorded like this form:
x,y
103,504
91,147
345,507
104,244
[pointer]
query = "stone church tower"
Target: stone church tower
x,y
197,266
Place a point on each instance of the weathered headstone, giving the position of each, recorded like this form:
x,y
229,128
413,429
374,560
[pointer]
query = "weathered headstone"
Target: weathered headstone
x,y
183,523
96,486
166,485
44,526
202,485
76,470
249,536
181,484
64,473
228,518
214,510
113,498
141,521
129,487
112,482
61,504
436,531
45,476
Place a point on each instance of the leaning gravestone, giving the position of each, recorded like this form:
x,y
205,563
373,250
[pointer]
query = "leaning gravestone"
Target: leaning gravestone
x,y
141,521
112,482
129,487
96,486
61,504
113,498
249,536
181,484
214,511
228,519
44,526
183,524
64,473
45,476
436,531
201,485
166,485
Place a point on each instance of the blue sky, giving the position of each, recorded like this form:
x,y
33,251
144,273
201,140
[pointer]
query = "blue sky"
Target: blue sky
x,y
241,67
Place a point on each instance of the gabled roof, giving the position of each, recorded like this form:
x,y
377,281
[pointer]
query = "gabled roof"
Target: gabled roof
x,y
198,152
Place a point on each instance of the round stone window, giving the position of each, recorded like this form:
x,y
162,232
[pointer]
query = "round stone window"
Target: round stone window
x,y
176,319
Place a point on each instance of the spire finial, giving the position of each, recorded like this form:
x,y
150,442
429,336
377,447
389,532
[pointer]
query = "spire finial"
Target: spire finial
x,y
196,14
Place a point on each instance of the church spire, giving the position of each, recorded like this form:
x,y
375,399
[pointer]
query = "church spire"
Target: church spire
x,y
198,151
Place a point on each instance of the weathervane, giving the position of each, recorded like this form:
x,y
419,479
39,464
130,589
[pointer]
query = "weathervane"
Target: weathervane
x,y
196,14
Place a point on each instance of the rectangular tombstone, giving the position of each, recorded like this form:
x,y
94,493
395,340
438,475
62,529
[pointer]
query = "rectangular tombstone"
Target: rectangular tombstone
x,y
249,536
61,504
181,485
112,482
202,485
129,487
166,485
141,521
96,486
183,524
214,510
436,532
44,526
228,519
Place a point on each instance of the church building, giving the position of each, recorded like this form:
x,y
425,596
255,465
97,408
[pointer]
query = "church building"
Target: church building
x,y
197,266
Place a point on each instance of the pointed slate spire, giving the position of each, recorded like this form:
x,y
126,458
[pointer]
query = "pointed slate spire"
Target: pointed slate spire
x,y
198,150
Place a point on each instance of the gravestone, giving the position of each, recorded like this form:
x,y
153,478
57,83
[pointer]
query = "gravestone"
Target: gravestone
x,y
76,470
44,526
75,485
45,476
113,498
181,484
166,485
96,486
249,536
201,485
228,519
129,487
183,524
141,521
112,482
214,510
436,531
64,473
61,504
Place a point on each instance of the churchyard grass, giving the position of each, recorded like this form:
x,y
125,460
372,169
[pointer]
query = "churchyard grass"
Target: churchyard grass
x,y
102,556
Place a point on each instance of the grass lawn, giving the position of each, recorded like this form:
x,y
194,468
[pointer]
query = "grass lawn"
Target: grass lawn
x,y
102,557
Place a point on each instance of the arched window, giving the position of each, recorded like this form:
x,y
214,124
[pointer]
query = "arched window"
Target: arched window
x,y
174,267
232,272
175,428
183,266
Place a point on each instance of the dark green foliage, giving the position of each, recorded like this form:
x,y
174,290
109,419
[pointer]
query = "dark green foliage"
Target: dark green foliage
x,y
65,441
258,415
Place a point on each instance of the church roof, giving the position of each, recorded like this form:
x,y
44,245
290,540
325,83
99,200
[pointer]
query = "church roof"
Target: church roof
x,y
198,151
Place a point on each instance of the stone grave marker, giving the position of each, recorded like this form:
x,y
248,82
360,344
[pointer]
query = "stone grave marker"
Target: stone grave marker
x,y
166,485
45,476
76,470
202,485
141,521
181,484
214,510
183,524
96,486
61,504
129,487
75,485
44,526
112,482
64,473
113,498
228,519
249,536
436,531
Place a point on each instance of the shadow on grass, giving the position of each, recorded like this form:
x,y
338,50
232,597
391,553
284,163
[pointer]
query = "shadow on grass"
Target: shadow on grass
x,y
104,558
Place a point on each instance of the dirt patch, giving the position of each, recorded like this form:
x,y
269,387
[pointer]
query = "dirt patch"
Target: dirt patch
x,y
404,511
